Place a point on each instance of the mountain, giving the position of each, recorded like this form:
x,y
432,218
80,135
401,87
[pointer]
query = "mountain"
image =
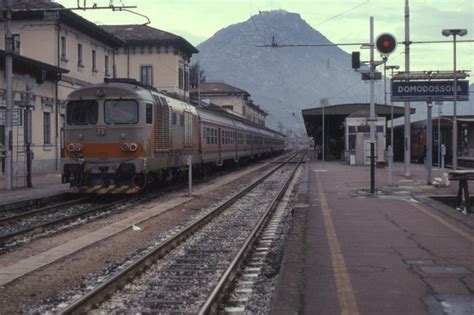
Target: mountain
x,y
282,80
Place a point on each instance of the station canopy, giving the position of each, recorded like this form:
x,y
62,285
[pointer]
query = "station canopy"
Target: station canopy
x,y
334,115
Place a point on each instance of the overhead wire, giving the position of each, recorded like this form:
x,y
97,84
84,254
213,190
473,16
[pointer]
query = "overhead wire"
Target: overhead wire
x,y
342,13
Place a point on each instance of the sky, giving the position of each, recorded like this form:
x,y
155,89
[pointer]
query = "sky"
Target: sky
x,y
341,21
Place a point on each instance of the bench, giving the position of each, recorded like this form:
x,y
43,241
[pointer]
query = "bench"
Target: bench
x,y
463,176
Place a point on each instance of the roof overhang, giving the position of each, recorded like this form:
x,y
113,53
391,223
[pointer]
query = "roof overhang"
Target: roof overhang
x,y
35,68
72,19
337,113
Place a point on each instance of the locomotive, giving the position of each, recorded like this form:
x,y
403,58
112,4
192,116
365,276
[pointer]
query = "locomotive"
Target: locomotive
x,y
121,136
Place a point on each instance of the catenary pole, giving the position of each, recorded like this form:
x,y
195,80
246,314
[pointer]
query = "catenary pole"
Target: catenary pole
x,y
455,117
323,140
407,129
372,109
429,142
8,99
439,135
199,83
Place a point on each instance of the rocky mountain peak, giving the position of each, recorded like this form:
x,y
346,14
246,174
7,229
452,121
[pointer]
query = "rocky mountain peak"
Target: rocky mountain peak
x,y
282,80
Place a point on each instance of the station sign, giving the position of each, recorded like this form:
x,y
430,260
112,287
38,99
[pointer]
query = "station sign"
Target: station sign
x,y
422,91
16,117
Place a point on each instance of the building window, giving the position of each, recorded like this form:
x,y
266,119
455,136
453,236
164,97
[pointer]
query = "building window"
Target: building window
x,y
186,80
106,66
180,82
16,43
94,61
79,55
47,128
146,75
2,136
63,48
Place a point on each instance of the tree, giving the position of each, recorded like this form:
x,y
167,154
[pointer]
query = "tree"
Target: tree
x,y
193,74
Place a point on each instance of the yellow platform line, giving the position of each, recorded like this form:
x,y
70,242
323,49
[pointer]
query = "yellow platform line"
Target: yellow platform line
x,y
450,226
345,293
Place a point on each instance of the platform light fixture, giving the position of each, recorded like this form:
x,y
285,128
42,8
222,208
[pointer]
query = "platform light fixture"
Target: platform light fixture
x,y
454,33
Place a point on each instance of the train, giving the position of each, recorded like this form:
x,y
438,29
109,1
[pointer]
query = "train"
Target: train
x,y
418,141
121,136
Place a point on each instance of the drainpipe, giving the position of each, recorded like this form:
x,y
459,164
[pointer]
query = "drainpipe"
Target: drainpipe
x,y
114,68
128,61
56,101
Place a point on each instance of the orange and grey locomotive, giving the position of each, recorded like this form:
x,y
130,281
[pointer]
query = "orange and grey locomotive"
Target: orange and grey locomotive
x,y
120,136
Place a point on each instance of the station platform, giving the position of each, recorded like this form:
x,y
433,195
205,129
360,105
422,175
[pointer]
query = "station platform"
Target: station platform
x,y
45,185
395,252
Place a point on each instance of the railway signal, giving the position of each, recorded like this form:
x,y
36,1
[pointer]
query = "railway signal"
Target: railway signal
x,y
355,60
386,43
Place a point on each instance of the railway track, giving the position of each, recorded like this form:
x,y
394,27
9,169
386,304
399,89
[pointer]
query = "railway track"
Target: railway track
x,y
22,225
191,271
17,215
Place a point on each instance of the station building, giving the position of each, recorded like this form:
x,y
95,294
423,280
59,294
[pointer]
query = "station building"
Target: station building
x,y
41,77
231,98
346,130
153,57
81,53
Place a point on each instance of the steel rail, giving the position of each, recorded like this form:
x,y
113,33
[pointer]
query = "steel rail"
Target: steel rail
x,y
13,218
211,304
11,236
102,291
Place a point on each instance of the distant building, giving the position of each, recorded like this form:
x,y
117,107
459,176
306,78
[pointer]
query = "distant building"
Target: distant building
x,y
42,77
153,57
64,40
231,98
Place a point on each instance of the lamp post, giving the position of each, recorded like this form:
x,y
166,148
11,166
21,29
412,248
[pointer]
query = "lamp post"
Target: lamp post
x,y
454,33
324,102
391,103
390,148
440,112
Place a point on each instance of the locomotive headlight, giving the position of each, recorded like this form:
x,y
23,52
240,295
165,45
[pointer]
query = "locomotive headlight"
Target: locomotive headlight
x,y
71,147
133,147
125,147
74,147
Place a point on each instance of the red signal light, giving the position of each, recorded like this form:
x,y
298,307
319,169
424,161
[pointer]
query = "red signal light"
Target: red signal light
x,y
386,44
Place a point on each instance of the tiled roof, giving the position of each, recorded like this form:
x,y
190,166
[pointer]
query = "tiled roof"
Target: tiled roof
x,y
220,87
136,34
32,10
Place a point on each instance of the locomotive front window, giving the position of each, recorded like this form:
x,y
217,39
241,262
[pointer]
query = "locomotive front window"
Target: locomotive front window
x,y
120,112
83,112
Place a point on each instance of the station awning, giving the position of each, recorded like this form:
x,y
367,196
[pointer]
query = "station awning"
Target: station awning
x,y
334,115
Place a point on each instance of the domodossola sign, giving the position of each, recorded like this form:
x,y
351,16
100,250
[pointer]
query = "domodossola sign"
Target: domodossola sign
x,y
429,90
